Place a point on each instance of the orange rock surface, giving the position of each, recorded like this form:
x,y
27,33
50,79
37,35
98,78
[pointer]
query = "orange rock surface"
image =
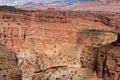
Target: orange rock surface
x,y
56,44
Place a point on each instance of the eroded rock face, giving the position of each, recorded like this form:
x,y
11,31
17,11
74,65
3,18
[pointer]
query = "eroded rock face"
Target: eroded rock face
x,y
96,39
59,51
8,65
54,46
112,20
108,58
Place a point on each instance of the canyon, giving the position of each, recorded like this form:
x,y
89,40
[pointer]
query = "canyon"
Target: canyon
x,y
59,45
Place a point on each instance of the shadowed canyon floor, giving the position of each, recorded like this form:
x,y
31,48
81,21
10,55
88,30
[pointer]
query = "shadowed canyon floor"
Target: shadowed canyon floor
x,y
59,45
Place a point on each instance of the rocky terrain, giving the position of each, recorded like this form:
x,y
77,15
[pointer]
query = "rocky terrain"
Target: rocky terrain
x,y
9,65
59,45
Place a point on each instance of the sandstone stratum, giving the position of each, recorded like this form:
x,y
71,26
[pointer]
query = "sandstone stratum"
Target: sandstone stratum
x,y
59,45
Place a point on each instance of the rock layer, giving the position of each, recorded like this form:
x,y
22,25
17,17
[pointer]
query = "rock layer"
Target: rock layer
x,y
59,43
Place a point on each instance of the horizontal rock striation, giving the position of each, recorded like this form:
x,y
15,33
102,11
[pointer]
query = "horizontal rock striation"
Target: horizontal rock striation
x,y
56,44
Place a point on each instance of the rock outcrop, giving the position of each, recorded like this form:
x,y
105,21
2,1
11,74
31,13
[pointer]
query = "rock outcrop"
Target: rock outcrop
x,y
8,65
107,61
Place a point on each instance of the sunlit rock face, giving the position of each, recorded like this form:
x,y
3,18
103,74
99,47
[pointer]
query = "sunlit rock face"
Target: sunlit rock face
x,y
58,53
55,47
62,59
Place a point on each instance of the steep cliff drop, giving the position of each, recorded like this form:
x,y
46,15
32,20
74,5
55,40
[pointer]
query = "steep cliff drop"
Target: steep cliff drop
x,y
108,61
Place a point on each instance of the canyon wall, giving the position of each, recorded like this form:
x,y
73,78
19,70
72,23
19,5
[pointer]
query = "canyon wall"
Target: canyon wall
x,y
42,51
55,47
107,61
